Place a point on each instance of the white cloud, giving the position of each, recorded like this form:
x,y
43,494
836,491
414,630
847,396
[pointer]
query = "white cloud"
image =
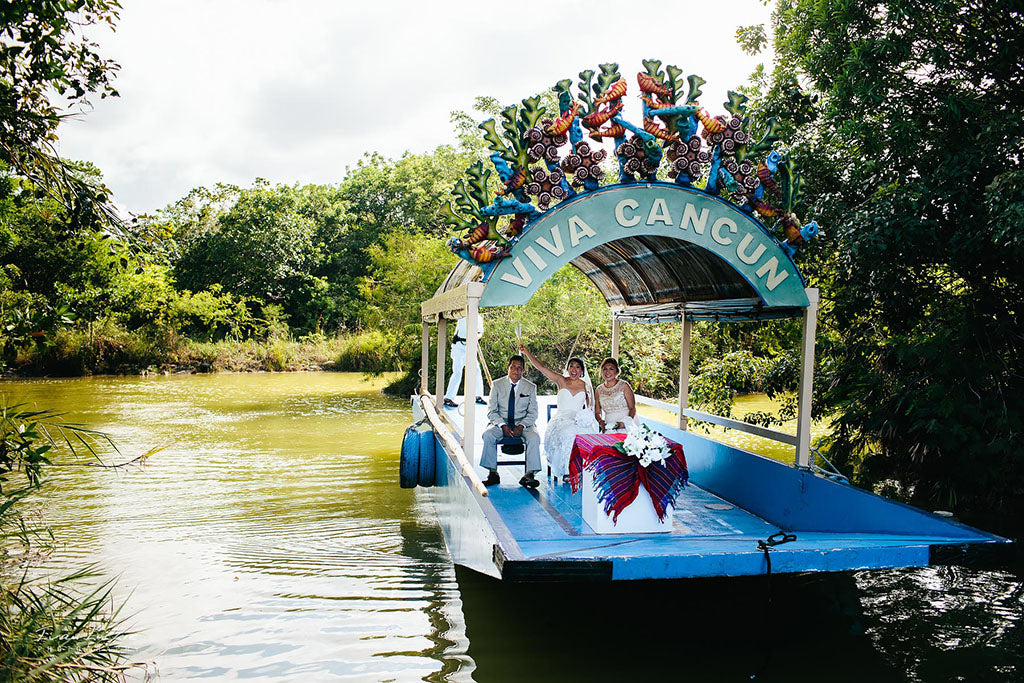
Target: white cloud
x,y
232,90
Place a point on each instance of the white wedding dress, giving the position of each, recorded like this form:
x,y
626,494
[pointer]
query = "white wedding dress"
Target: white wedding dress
x,y
574,417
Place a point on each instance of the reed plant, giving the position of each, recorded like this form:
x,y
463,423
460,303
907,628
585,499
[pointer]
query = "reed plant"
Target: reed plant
x,y
65,628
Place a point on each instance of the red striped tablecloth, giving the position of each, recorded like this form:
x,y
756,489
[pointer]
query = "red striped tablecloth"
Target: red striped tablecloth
x,y
618,477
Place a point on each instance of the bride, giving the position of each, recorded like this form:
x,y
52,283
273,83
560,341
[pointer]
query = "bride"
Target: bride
x,y
575,401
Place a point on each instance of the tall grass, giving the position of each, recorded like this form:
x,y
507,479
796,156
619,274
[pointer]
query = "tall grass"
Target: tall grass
x,y
51,629
57,630
373,351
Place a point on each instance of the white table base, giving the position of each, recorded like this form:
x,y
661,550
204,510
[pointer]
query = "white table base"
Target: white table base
x,y
639,516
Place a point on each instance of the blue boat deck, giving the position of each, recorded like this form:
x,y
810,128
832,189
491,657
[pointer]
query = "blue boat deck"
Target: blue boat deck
x,y
734,500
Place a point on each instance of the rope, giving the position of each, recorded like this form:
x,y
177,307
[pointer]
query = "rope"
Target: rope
x,y
832,472
769,543
483,364
766,546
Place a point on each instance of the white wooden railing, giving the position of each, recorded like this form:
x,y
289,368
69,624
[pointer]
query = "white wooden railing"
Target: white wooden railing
x,y
720,421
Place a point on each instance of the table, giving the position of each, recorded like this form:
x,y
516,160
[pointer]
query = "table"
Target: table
x,y
623,496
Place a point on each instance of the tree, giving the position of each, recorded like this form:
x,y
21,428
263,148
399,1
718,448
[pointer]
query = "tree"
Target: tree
x,y
405,270
307,248
262,247
47,72
404,193
42,54
290,246
908,121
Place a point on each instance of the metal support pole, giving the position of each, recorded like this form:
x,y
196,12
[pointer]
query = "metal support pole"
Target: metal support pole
x,y
615,336
442,353
684,372
803,427
472,344
425,359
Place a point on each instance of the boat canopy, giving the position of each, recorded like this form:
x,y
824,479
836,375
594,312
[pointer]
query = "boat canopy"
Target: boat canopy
x,y
656,251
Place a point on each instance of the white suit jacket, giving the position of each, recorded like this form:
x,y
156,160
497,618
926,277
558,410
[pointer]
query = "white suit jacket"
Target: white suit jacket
x,y
526,402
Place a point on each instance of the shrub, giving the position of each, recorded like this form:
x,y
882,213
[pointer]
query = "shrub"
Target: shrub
x,y
372,351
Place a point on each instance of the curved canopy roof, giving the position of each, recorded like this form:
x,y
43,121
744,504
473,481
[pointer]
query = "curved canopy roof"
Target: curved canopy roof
x,y
653,250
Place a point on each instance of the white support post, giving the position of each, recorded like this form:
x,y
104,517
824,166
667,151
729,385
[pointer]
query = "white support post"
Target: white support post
x,y
684,372
425,359
615,336
472,317
442,353
803,429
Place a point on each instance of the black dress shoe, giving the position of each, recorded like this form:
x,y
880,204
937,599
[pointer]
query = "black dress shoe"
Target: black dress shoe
x,y
450,403
480,401
492,479
529,481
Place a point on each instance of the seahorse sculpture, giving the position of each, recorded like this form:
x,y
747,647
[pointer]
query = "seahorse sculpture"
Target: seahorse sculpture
x,y
797,237
477,254
562,124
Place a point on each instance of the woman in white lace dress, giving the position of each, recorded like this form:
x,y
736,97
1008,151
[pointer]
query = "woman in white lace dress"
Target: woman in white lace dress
x,y
575,414
615,406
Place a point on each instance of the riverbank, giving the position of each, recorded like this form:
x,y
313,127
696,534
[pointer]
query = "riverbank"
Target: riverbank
x,y
111,351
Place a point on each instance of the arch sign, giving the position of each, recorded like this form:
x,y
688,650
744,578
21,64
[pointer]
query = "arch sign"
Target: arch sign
x,y
663,209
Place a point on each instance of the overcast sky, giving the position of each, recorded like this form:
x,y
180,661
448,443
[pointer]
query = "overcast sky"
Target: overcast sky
x,y
231,90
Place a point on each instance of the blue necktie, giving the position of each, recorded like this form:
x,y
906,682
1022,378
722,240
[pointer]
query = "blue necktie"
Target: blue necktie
x,y
512,406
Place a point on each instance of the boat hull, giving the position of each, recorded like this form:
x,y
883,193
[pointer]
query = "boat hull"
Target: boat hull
x,y
516,534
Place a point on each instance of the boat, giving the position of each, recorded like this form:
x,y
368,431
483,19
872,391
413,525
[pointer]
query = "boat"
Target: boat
x,y
658,252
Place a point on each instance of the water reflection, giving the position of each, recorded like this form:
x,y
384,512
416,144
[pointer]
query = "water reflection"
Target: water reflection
x,y
947,623
269,540
707,630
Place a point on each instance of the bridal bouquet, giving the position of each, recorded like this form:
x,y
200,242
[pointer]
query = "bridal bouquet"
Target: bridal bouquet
x,y
644,444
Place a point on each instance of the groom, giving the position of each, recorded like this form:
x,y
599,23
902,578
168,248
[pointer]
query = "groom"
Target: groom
x,y
512,412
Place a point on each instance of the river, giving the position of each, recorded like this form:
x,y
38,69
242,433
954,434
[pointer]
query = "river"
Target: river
x,y
269,540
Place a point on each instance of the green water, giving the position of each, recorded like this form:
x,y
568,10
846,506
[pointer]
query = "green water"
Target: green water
x,y
269,540
742,405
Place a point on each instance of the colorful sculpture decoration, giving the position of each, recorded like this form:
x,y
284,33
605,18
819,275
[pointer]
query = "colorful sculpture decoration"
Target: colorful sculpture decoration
x,y
687,160
713,154
585,166
797,237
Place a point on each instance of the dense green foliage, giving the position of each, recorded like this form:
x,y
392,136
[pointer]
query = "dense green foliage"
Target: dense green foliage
x,y
907,119
48,71
224,264
308,249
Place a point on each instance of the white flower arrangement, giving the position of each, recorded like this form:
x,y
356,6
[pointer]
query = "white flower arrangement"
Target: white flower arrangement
x,y
644,444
